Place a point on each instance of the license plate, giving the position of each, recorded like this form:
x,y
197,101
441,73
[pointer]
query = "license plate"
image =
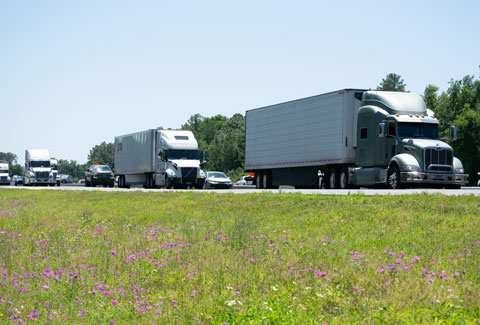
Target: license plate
x,y
189,183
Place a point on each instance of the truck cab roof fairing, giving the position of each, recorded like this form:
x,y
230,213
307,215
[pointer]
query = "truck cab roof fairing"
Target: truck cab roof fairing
x,y
395,102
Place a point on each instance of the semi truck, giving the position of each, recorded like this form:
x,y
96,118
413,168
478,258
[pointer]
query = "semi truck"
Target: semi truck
x,y
350,138
4,173
38,170
54,166
158,158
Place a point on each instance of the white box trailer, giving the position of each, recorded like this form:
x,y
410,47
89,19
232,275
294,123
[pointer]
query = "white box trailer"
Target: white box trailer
x,y
158,158
301,134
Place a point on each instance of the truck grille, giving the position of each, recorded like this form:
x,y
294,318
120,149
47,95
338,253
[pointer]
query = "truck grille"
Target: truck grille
x,y
3,177
41,174
189,173
440,160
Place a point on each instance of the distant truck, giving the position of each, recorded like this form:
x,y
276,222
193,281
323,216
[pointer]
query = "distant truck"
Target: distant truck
x,y
38,170
4,173
56,175
350,138
158,158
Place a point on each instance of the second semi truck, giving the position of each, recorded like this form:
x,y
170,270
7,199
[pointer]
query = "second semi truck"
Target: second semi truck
x,y
352,138
158,158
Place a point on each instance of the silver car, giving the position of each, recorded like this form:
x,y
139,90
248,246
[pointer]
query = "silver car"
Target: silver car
x,y
217,180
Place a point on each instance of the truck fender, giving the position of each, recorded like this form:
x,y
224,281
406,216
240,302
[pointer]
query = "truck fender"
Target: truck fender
x,y
171,173
457,164
404,159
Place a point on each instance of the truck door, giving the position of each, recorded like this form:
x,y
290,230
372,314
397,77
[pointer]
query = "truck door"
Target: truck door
x,y
380,144
161,167
390,141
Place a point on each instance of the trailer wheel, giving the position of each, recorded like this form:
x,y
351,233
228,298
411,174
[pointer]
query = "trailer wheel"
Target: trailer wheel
x,y
259,180
331,181
267,179
343,178
393,178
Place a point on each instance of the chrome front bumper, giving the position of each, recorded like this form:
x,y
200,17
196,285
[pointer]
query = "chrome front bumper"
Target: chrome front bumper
x,y
431,178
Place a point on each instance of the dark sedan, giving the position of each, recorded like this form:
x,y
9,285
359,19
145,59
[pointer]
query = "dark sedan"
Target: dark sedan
x,y
99,175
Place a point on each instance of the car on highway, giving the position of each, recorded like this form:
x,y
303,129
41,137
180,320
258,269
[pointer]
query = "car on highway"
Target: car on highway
x,y
16,179
245,180
99,175
217,180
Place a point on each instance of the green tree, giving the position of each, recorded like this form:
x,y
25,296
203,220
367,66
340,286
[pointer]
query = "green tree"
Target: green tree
x,y
459,106
71,168
11,159
467,145
223,139
16,169
228,146
430,96
392,82
104,154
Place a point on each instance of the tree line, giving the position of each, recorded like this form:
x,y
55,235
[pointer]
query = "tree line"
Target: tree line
x,y
223,138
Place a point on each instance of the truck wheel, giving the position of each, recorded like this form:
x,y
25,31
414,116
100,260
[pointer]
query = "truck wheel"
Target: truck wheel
x,y
343,178
259,180
168,183
393,178
331,180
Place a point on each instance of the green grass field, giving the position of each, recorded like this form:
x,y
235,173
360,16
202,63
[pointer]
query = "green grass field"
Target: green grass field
x,y
196,257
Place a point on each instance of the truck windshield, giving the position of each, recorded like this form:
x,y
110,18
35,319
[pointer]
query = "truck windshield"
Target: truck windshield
x,y
37,164
418,130
182,154
3,171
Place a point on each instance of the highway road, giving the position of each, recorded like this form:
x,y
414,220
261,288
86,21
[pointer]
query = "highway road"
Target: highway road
x,y
247,189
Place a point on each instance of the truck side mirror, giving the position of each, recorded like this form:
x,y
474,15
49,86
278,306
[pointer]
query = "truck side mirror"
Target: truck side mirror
x,y
453,132
165,155
204,157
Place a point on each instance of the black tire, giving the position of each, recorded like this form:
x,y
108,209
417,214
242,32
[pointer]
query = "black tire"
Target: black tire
x,y
267,179
259,180
331,179
342,182
393,178
168,183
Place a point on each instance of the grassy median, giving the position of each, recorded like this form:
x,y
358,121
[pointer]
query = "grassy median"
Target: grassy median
x,y
196,257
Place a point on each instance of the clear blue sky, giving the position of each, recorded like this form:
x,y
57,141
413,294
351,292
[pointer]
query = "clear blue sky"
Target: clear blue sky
x,y
76,73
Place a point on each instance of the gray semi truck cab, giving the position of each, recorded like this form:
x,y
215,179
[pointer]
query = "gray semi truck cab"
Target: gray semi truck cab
x,y
398,143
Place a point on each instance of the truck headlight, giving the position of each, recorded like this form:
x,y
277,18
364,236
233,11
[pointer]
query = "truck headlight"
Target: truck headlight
x,y
95,175
459,170
410,168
